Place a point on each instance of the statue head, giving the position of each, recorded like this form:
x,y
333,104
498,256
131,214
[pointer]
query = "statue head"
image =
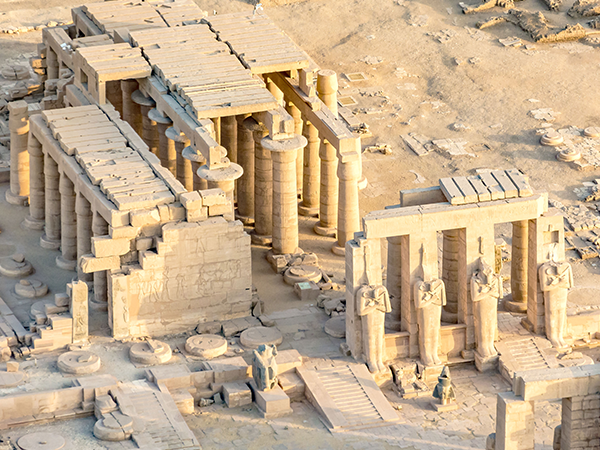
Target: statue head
x,y
485,271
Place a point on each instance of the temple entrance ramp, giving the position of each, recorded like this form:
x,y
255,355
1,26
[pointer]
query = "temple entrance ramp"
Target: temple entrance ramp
x,y
347,397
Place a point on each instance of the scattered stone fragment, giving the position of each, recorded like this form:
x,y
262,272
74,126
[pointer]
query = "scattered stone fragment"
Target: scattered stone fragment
x,y
336,327
384,149
31,288
417,143
206,346
355,76
459,61
419,178
114,426
15,266
236,326
443,36
10,379
592,132
545,114
41,441
453,147
208,328
487,4
459,127
553,5
204,402
585,8
302,273
372,60
474,60
552,138
418,21
15,73
256,336
511,42
334,304
78,362
266,321
150,352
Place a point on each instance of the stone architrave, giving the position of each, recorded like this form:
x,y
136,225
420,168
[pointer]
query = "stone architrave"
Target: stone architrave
x,y
372,303
556,278
486,289
264,367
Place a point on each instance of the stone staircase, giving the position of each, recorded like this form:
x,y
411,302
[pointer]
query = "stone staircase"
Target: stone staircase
x,y
347,397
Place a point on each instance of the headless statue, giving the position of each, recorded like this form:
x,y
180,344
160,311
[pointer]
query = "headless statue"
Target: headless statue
x,y
264,367
372,302
486,289
429,297
444,390
556,278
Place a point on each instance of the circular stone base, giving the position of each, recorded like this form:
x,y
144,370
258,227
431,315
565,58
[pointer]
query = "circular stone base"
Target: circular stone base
x,y
78,362
114,427
41,441
257,336
15,266
592,132
150,352
33,224
38,309
18,200
10,379
518,307
31,288
568,155
324,231
337,250
302,273
49,244
206,345
308,212
552,138
336,327
261,240
65,264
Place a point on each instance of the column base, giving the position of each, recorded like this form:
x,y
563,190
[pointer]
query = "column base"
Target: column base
x,y
338,250
516,307
18,200
486,364
245,219
66,264
324,231
33,224
49,244
98,306
308,211
363,183
261,239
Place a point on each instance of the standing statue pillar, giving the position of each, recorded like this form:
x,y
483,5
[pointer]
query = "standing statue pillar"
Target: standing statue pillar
x,y
298,128
162,124
327,86
68,225
37,195
183,166
224,179
263,190
149,129
18,125
83,209
132,113
373,302
51,237
518,267
311,173
285,198
245,158
100,300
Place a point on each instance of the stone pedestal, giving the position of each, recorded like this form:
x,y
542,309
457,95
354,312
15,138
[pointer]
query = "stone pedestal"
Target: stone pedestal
x,y
51,237
311,173
183,170
224,179
348,211
18,124
196,161
519,268
263,190
285,203
162,124
271,404
486,364
132,114
149,129
37,195
68,225
100,299
84,233
245,158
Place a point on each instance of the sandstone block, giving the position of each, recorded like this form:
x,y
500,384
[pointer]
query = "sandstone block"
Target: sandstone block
x,y
236,394
139,218
90,264
103,246
211,197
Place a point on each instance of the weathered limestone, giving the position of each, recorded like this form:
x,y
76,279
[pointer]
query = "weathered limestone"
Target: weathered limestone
x,y
150,352
373,302
166,147
217,128
394,281
18,124
518,267
224,179
84,233
263,189
229,138
183,171
68,225
327,86
311,173
245,158
298,128
285,203
450,271
100,299
51,64
51,237
206,346
78,291
348,209
515,428
78,362
196,161
37,195
149,129
132,112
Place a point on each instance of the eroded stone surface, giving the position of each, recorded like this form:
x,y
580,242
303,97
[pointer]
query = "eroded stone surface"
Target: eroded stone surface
x,y
78,362
256,336
206,345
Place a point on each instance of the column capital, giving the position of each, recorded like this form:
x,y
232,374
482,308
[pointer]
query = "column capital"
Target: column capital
x,y
229,173
175,135
158,117
140,99
191,154
284,145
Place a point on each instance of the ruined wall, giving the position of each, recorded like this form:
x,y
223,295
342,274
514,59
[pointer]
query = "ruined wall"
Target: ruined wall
x,y
199,271
580,426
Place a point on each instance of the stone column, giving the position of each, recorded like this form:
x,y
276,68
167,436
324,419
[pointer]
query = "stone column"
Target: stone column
x,y
149,129
84,233
327,91
100,299
68,225
348,212
229,138
196,161
217,123
263,190
18,124
518,267
51,238
394,281
37,195
245,158
311,173
183,166
51,63
298,127
450,275
224,179
162,124
132,113
285,197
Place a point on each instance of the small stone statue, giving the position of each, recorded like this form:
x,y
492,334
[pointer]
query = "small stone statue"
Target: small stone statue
x,y
429,297
372,302
264,367
556,278
444,390
486,289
